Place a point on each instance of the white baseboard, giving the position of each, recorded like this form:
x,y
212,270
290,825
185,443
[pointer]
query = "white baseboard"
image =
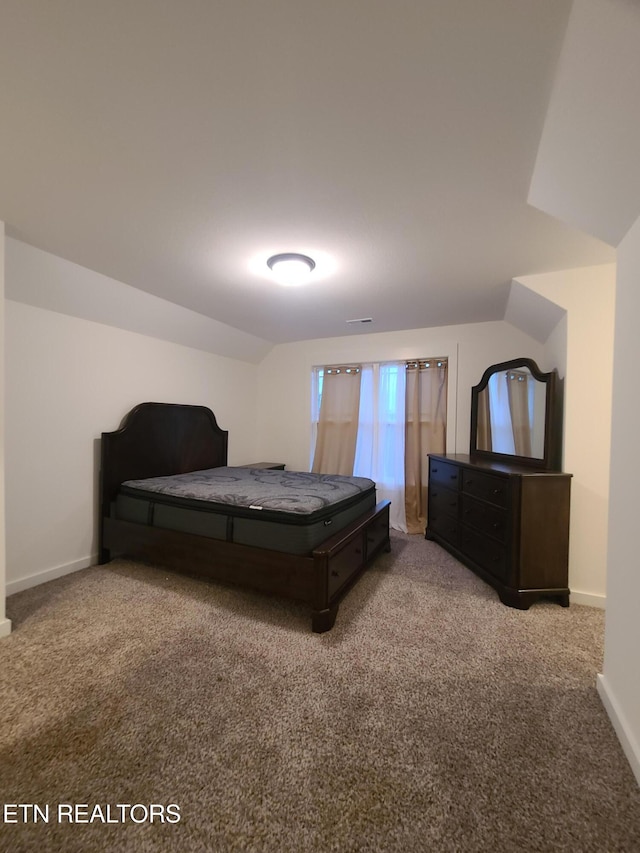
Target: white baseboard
x,y
49,574
5,627
591,599
620,725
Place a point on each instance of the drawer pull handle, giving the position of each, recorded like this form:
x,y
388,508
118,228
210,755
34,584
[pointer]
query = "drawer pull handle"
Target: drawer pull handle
x,y
334,574
453,476
497,491
435,470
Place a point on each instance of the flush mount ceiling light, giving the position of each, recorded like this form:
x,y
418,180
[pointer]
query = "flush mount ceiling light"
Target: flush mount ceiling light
x,y
290,268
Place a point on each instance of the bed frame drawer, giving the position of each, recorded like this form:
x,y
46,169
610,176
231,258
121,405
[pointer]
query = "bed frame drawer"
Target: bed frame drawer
x,y
376,536
344,564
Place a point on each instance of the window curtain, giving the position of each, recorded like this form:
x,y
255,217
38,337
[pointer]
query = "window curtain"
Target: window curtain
x,y
518,391
425,432
501,428
483,439
381,421
380,447
338,421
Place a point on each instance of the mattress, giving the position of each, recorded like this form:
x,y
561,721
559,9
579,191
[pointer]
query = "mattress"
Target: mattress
x,y
289,511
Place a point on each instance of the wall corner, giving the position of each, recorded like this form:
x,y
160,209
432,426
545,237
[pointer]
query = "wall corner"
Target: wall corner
x,y
5,624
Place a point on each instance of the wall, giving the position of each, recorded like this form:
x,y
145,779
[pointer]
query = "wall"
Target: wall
x,y
5,624
619,684
69,379
587,174
591,133
588,296
43,280
284,377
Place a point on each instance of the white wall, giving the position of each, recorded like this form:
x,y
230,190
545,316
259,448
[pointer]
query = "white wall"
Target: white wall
x,y
620,682
68,380
284,377
41,279
588,295
5,624
587,174
592,128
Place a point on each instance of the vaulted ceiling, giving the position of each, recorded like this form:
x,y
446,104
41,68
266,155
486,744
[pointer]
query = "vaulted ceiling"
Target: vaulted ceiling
x,y
175,145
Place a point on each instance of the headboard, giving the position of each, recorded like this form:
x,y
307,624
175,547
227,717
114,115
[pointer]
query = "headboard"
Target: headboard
x,y
157,439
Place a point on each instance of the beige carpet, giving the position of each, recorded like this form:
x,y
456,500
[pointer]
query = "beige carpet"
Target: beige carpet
x,y
432,718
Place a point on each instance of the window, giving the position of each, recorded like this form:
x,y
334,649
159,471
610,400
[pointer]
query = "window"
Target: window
x,y
401,417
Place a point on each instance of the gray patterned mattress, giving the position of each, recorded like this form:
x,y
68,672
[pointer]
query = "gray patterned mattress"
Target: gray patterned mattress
x,y
287,511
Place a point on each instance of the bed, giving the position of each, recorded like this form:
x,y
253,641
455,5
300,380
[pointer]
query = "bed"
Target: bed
x,y
312,555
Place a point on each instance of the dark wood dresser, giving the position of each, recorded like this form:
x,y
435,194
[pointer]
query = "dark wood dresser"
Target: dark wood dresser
x,y
507,522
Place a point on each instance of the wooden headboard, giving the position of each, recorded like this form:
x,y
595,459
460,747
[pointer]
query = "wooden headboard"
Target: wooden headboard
x,y
158,439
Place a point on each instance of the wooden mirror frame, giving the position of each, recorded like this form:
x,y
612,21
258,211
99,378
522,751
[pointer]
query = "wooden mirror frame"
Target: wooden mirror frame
x,y
552,456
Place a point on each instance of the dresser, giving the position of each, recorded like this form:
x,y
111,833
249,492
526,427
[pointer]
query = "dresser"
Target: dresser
x,y
507,522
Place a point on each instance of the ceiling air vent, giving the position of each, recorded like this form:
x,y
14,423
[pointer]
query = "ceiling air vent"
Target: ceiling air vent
x,y
360,320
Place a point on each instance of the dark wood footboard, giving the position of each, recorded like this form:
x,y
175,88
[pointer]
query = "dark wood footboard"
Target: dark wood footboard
x,y
341,560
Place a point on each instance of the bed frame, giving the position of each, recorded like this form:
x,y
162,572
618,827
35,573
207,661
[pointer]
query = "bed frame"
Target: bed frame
x,y
158,439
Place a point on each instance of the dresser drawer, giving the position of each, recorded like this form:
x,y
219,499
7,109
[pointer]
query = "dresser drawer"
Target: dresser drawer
x,y
443,473
487,553
486,517
486,486
445,526
442,500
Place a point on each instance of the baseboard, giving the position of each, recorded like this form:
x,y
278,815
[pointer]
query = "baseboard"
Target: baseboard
x,y
620,725
49,575
589,598
5,627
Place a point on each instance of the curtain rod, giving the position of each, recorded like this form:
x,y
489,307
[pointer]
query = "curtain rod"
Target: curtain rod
x,y
350,369
425,363
517,374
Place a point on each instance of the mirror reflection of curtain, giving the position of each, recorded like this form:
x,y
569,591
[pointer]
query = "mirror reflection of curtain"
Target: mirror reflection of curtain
x,y
518,391
425,432
483,429
338,422
501,430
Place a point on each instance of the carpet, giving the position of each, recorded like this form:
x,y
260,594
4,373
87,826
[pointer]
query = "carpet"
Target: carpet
x,y
149,711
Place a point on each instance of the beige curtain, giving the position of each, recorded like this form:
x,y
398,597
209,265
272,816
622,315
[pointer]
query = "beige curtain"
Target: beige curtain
x,y
518,390
425,432
483,429
338,421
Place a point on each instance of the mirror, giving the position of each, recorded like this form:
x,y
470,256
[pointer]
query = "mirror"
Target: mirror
x,y
514,414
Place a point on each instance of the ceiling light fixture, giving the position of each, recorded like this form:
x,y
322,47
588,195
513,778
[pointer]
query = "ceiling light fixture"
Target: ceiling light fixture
x,y
290,268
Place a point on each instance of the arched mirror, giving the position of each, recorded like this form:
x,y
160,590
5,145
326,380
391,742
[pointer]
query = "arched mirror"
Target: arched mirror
x,y
516,415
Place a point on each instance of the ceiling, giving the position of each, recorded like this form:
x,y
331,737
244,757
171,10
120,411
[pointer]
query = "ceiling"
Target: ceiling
x,y
175,145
